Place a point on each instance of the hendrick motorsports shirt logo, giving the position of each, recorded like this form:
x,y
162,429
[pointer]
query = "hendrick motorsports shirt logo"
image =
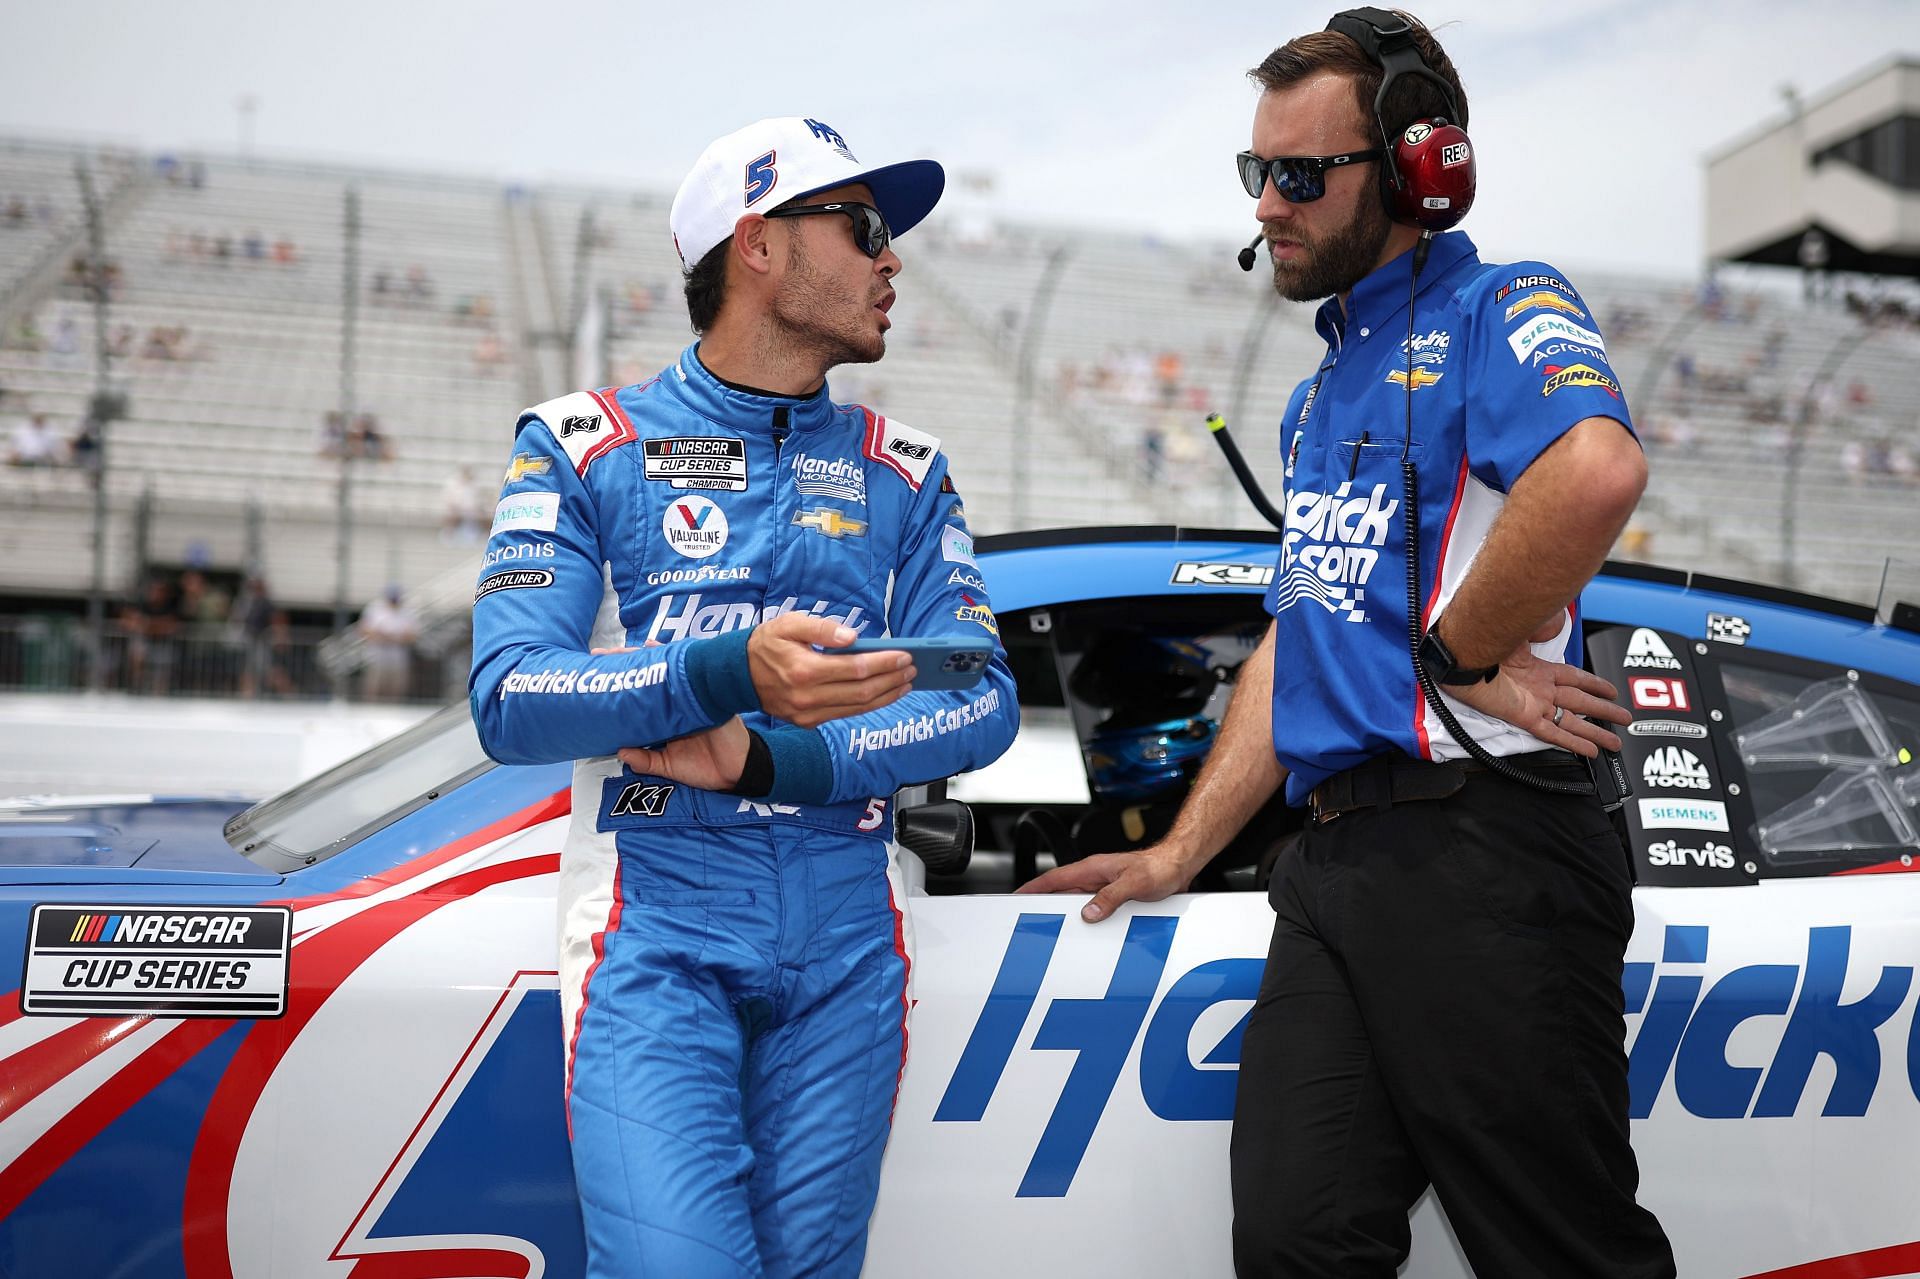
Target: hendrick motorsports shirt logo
x,y
698,462
1428,348
172,961
695,527
1217,573
835,477
1329,552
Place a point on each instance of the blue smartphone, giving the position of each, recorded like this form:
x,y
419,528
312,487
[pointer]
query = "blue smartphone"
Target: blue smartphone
x,y
945,662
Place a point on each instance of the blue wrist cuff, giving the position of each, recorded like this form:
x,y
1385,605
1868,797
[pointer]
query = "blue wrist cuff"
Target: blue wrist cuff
x,y
802,766
718,673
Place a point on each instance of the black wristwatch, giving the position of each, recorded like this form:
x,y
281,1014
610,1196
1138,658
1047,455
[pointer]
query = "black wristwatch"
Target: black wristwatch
x,y
1441,666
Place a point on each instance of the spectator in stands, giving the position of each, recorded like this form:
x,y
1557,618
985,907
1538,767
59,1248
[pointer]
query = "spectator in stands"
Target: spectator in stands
x,y
1153,451
83,450
419,285
284,252
16,212
255,246
1813,265
389,629
463,508
66,340
382,282
365,440
333,434
222,248
488,354
121,344
152,625
263,633
35,444
1167,368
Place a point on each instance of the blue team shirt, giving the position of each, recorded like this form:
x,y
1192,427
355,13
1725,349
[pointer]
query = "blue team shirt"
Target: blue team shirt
x,y
1505,359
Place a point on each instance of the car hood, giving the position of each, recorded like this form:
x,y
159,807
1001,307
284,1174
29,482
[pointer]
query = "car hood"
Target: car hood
x,y
121,839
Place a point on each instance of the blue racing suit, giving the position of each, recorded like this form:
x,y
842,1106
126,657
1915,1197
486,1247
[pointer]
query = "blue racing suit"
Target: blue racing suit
x,y
733,968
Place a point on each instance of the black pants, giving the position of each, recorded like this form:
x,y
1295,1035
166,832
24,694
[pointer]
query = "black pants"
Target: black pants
x,y
1442,1006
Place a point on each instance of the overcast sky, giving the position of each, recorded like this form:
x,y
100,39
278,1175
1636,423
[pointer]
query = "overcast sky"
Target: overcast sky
x,y
1591,121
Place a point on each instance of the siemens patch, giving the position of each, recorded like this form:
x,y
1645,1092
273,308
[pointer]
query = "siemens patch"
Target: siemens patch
x,y
172,961
698,462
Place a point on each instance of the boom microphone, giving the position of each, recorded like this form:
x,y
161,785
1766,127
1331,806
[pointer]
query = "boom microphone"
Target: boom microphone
x,y
1246,254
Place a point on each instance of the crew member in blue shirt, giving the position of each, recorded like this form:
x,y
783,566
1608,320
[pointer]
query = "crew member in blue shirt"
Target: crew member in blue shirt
x,y
1441,1004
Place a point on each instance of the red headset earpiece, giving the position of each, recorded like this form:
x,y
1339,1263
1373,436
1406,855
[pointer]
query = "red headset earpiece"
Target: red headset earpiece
x,y
1428,179
1433,161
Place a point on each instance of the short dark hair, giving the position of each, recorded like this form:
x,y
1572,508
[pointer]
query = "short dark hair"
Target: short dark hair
x,y
706,286
1413,97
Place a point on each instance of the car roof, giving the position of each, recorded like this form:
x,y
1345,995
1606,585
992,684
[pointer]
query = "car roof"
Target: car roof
x,y
1049,567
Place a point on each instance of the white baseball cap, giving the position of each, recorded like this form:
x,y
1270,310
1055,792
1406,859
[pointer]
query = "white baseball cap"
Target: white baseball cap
x,y
775,161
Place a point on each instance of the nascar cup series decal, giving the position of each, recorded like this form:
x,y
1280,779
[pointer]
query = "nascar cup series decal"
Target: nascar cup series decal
x,y
172,961
697,462
695,527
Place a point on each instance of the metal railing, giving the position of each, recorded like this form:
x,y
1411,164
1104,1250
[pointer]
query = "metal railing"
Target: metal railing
x,y
49,653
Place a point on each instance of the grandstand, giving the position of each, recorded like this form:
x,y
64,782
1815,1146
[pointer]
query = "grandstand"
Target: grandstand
x,y
1076,403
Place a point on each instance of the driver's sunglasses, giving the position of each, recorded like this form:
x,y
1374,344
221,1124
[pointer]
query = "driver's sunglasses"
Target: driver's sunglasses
x,y
1300,179
869,228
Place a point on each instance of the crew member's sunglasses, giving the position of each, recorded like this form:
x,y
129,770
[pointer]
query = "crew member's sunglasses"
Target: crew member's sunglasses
x,y
1300,179
869,228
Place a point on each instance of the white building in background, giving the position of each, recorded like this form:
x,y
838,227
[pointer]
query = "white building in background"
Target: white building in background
x,y
1844,165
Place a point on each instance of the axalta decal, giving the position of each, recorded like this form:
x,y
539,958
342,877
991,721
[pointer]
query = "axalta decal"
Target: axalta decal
x,y
1757,1042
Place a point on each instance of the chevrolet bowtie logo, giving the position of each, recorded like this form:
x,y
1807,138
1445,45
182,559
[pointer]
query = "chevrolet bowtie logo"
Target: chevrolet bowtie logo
x,y
1546,299
525,464
825,519
1421,377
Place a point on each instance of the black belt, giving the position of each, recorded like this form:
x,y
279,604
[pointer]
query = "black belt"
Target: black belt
x,y
1386,780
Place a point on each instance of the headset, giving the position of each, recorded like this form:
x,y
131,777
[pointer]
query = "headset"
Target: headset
x,y
1427,172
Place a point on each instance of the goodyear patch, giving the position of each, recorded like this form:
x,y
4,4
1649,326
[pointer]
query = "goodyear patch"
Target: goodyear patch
x,y
168,961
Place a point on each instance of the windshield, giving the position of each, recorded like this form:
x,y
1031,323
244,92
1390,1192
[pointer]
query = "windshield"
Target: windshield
x,y
319,817
1830,762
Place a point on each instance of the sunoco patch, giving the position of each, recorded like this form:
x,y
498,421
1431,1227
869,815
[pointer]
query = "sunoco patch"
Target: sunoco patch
x,y
169,961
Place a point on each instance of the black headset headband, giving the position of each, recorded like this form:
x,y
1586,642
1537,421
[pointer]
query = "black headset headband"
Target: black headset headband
x,y
1387,38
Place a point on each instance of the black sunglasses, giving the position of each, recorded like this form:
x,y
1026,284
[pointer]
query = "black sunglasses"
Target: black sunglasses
x,y
869,228
1300,179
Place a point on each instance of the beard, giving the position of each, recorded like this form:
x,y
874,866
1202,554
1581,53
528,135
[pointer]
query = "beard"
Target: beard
x,y
824,319
1339,261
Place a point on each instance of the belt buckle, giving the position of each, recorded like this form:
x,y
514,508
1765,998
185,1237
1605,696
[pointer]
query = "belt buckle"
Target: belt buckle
x,y
1320,815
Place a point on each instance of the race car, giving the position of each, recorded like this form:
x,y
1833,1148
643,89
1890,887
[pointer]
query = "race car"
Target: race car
x,y
320,1035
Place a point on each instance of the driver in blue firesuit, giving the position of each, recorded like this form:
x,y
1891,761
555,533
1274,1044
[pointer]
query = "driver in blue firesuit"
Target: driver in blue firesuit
x,y
671,567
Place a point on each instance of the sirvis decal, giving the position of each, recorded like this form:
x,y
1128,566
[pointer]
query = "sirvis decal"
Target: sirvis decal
x,y
1331,548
